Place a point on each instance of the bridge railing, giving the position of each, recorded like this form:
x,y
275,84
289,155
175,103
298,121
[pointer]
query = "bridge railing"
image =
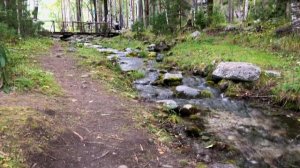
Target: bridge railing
x,y
77,27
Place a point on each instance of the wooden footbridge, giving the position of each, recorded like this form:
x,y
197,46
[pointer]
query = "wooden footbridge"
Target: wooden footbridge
x,y
80,28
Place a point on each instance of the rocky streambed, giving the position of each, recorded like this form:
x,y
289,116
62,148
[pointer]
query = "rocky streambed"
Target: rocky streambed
x,y
216,130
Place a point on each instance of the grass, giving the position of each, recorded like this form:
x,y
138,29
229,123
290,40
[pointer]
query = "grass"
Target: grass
x,y
197,54
24,74
108,72
23,131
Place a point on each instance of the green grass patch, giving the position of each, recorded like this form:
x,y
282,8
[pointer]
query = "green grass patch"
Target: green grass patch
x,y
108,72
24,74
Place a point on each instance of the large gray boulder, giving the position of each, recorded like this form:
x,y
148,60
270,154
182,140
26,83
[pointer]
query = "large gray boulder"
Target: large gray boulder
x,y
237,71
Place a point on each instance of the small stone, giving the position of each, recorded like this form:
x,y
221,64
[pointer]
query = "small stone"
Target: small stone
x,y
85,76
160,57
274,74
172,79
122,166
195,34
169,104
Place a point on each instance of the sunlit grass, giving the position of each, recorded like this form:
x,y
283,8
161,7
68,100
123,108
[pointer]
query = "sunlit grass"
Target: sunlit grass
x,y
24,73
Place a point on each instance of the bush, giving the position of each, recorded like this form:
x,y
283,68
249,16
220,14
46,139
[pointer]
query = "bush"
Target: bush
x,y
201,19
217,18
138,28
3,62
159,24
6,33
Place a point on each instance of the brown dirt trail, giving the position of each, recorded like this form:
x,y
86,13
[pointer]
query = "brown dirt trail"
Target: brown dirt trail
x,y
104,134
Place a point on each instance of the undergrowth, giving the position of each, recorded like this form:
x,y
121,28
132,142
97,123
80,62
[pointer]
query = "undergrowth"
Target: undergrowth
x,y
23,131
24,74
109,72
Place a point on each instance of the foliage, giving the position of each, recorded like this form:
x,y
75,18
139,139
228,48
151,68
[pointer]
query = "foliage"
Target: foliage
x,y
6,33
159,24
24,22
267,10
201,19
22,72
3,63
138,28
217,18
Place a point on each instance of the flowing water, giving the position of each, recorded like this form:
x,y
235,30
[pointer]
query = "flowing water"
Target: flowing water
x,y
257,137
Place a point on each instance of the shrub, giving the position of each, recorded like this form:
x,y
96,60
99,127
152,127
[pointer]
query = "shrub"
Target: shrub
x,y
201,19
159,24
6,33
3,62
138,28
217,18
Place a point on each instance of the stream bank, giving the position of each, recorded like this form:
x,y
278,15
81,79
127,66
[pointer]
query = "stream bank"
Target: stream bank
x,y
213,127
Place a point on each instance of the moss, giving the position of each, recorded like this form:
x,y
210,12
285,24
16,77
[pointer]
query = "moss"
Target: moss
x,y
206,94
193,131
201,165
152,54
195,117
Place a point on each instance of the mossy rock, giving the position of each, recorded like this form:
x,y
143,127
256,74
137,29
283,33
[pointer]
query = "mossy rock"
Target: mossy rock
x,y
193,131
206,94
132,54
152,54
195,117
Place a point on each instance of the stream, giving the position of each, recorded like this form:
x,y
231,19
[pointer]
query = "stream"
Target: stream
x,y
230,132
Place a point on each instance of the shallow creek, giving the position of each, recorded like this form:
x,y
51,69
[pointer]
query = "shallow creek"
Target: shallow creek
x,y
256,137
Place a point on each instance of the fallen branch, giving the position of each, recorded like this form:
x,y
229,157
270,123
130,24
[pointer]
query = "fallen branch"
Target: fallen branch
x,y
78,135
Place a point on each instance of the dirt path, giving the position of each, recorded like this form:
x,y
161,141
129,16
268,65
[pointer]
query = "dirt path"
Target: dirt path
x,y
104,134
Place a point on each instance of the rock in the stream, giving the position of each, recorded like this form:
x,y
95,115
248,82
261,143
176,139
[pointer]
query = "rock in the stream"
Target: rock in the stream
x,y
72,49
188,110
151,47
172,79
195,35
152,54
168,104
131,64
162,46
186,91
237,71
219,165
160,57
274,74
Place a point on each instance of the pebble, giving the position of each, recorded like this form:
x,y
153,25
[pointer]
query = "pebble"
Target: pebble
x,y
122,166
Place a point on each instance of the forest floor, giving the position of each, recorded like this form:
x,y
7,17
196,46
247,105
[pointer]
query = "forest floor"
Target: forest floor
x,y
87,126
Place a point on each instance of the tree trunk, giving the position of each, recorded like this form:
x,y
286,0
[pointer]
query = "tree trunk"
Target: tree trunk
x,y
146,13
246,7
133,10
210,7
105,10
295,14
140,10
121,14
127,13
96,16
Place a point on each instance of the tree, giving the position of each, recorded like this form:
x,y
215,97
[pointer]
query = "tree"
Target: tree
x,y
105,4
